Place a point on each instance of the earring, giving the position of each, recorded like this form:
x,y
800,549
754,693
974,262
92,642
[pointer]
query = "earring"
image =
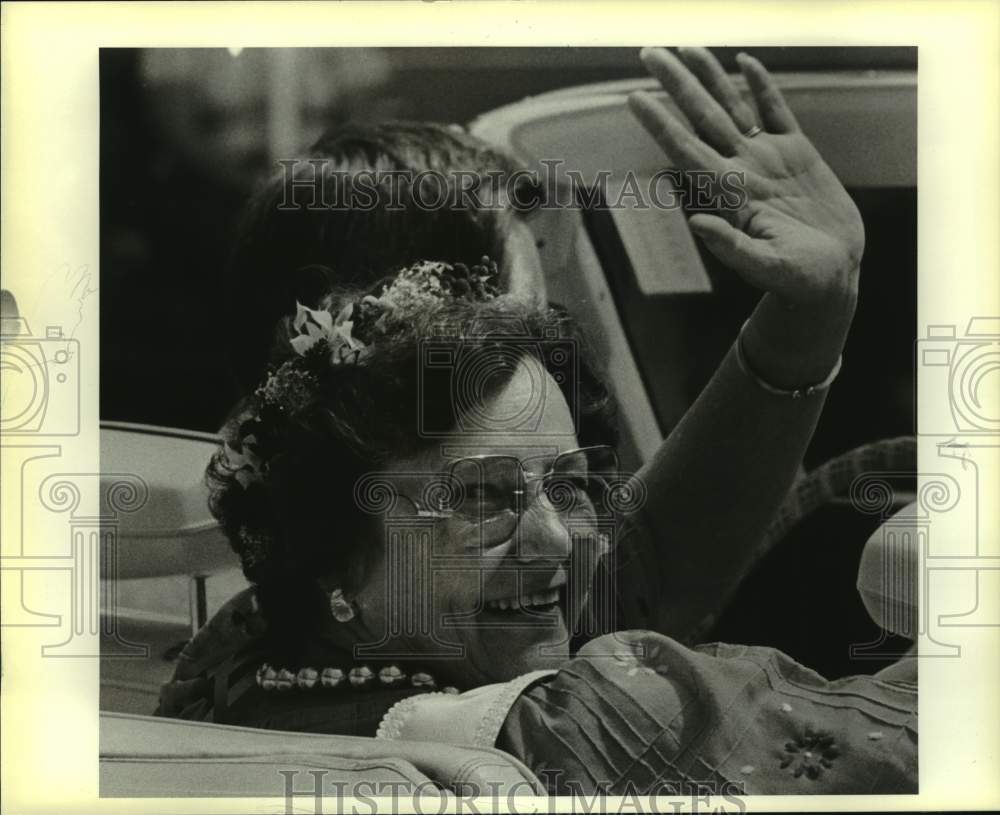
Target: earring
x,y
340,607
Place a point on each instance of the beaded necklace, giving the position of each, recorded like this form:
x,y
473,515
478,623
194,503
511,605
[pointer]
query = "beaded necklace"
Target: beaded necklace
x,y
358,678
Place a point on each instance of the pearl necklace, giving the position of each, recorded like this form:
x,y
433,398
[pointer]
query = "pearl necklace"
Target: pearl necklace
x,y
358,678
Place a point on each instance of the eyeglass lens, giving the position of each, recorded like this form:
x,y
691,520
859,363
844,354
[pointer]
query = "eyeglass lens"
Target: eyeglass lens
x,y
492,491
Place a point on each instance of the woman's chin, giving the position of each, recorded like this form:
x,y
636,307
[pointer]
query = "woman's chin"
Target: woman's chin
x,y
503,654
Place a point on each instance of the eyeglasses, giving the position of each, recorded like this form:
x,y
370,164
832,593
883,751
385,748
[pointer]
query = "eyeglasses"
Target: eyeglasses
x,y
490,492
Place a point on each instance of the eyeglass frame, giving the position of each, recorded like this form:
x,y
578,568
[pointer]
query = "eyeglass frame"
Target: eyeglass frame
x,y
519,506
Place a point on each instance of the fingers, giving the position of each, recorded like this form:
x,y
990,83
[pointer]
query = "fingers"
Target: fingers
x,y
717,82
751,258
686,150
708,117
774,111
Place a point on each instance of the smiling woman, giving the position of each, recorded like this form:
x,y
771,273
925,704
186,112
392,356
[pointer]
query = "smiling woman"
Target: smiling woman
x,y
424,494
300,486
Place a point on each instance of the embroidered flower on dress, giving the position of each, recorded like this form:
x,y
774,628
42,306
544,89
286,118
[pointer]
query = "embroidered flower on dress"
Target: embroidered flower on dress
x,y
810,754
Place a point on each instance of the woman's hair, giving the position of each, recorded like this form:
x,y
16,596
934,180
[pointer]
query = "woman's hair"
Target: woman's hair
x,y
335,217
283,484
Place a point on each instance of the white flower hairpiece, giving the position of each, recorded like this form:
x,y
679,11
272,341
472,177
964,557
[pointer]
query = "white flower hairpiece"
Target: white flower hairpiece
x,y
311,326
418,289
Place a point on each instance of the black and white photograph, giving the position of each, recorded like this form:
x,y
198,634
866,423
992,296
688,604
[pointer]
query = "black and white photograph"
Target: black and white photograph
x,y
521,360
492,425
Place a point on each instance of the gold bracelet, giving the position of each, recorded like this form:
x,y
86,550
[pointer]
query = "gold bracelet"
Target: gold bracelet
x,y
794,393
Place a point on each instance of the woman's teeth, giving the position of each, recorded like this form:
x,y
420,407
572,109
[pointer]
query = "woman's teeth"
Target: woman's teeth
x,y
545,598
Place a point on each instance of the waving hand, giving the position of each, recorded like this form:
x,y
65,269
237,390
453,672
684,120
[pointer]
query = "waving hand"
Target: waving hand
x,y
798,234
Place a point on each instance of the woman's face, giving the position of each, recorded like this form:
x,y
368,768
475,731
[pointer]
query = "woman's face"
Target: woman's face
x,y
478,607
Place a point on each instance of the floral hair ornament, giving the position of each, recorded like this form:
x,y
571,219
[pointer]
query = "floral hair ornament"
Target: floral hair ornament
x,y
290,385
422,288
312,326
416,289
320,339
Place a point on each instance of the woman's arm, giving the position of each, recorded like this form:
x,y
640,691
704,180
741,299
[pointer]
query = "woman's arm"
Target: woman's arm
x,y
636,710
716,482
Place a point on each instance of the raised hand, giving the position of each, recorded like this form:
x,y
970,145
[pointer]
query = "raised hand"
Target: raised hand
x,y
798,234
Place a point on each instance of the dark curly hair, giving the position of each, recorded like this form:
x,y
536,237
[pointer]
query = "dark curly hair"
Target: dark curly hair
x,y
347,420
280,249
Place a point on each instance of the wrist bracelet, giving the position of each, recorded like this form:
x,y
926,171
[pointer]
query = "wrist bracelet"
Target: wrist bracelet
x,y
794,393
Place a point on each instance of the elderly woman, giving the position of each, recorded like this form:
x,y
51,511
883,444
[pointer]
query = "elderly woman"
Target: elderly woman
x,y
425,497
